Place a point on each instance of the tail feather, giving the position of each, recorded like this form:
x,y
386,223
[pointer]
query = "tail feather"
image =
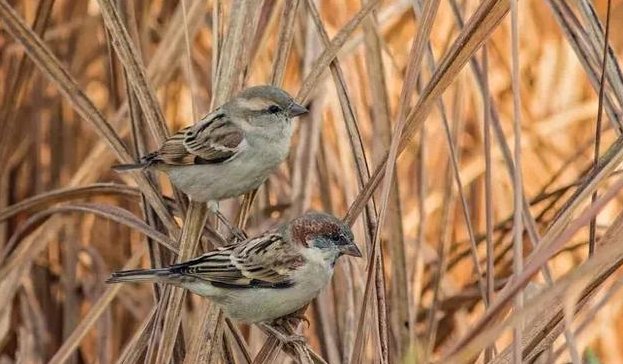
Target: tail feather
x,y
144,162
140,275
129,167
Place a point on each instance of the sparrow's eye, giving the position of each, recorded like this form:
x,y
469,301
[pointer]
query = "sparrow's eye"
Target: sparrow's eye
x,y
335,237
273,109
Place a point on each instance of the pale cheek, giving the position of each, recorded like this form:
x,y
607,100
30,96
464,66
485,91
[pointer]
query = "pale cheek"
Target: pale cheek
x,y
264,122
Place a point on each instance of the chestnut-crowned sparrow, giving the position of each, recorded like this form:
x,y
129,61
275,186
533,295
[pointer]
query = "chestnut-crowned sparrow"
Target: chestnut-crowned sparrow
x,y
265,277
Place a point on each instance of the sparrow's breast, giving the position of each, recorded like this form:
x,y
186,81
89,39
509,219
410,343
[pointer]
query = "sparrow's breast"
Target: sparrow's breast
x,y
266,304
272,143
262,153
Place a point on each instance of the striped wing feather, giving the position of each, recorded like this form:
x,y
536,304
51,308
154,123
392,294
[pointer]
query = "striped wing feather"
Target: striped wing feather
x,y
214,139
266,261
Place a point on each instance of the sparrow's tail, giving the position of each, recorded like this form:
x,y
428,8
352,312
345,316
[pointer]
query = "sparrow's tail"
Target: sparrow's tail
x,y
140,275
129,167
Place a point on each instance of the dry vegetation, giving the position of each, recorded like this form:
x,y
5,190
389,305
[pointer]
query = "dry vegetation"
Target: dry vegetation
x,y
465,258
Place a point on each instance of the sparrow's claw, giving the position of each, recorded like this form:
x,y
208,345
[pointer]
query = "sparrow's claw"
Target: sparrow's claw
x,y
293,339
285,339
294,318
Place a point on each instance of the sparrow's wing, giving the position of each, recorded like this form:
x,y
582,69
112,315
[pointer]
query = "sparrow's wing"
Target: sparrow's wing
x,y
215,266
268,260
214,139
265,261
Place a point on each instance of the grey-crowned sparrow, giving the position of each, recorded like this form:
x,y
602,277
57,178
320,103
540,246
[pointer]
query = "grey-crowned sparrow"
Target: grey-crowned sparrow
x,y
230,151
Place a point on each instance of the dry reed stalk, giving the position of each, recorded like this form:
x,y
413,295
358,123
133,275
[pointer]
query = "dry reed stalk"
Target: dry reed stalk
x,y
488,190
42,56
572,30
321,63
577,280
67,194
447,218
135,71
602,85
348,113
416,54
402,333
481,24
167,52
518,225
72,342
193,226
490,111
12,99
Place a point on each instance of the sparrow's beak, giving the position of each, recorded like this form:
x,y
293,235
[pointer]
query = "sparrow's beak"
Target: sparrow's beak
x,y
296,110
351,249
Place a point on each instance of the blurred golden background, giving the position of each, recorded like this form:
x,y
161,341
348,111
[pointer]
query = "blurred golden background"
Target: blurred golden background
x,y
88,84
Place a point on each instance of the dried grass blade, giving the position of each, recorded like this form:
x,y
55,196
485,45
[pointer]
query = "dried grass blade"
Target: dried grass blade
x,y
329,53
598,131
400,313
159,70
172,45
239,339
135,347
113,213
491,111
12,100
67,194
602,49
549,246
52,68
416,55
570,27
518,227
479,27
359,156
488,189
230,63
286,33
93,315
447,219
203,347
269,351
602,262
193,226
130,58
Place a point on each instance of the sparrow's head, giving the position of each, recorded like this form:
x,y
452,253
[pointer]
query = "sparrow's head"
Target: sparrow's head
x,y
265,102
326,233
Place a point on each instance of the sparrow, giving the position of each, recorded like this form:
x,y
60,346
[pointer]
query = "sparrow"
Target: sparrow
x,y
266,277
230,151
